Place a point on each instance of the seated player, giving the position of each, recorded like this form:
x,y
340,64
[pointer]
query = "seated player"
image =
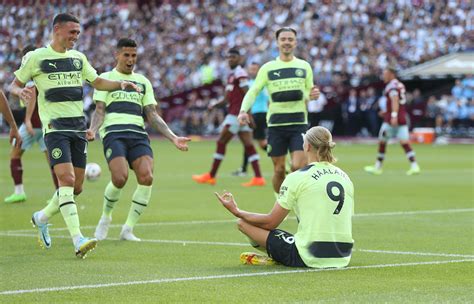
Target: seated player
x,y
321,195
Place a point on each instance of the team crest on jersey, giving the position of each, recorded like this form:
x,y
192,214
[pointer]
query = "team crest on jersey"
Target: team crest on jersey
x,y
77,63
108,153
299,72
56,153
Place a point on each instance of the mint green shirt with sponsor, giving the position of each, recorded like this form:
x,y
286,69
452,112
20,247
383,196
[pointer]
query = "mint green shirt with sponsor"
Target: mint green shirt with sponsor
x,y
124,109
322,196
59,78
288,85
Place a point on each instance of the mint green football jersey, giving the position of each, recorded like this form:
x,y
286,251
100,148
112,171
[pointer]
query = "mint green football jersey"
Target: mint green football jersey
x,y
59,78
124,109
322,196
288,85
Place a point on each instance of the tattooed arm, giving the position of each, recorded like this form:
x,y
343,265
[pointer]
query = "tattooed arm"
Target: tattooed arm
x,y
160,125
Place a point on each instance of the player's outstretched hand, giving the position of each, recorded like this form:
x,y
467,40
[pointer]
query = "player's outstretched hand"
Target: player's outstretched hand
x,y
15,138
314,94
127,84
181,143
228,202
243,118
90,135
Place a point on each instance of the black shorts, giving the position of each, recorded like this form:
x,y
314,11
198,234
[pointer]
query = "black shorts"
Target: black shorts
x,y
260,131
67,147
282,248
130,145
285,138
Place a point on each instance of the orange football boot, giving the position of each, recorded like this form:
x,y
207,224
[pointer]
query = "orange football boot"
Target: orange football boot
x,y
255,181
204,179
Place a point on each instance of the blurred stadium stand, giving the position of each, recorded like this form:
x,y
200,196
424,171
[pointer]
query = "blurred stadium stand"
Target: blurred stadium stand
x,y
182,50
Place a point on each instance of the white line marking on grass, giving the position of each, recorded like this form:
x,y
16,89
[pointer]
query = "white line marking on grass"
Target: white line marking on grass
x,y
223,276
394,213
189,242
416,253
206,222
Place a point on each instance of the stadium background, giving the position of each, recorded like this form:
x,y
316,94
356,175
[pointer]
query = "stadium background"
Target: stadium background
x,y
413,234
182,49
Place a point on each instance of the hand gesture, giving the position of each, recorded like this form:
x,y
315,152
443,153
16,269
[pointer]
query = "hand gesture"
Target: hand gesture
x,y
29,127
90,135
127,84
181,143
228,202
243,118
314,94
15,138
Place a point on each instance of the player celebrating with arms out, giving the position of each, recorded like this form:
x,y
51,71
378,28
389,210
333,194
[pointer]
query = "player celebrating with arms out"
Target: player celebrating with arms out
x,y
289,82
58,73
394,124
321,195
119,115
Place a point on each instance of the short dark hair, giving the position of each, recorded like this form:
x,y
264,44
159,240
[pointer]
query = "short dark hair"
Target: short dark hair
x,y
126,42
234,51
64,17
285,29
27,49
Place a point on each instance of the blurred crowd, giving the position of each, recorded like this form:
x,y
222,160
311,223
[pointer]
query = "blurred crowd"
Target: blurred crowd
x,y
453,113
183,45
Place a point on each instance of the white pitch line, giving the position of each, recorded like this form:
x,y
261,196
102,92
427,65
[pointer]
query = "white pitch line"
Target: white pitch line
x,y
394,213
417,253
189,242
206,222
223,276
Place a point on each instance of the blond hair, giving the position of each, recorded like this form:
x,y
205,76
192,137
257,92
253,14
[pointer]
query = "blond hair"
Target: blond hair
x,y
321,140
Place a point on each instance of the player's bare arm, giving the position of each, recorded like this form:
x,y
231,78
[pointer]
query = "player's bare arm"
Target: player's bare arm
x,y
103,84
212,105
7,113
394,114
265,221
30,108
160,125
97,120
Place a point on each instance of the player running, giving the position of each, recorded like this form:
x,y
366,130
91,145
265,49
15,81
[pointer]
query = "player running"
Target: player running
x,y
119,115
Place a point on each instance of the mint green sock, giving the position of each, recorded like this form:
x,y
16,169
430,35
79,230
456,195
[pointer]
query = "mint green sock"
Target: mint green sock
x,y
52,208
140,200
111,197
69,210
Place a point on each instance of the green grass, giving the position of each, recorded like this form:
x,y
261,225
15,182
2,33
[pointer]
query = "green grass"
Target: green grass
x,y
184,261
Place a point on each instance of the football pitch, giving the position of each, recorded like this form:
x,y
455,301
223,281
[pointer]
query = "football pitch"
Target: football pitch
x,y
413,235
